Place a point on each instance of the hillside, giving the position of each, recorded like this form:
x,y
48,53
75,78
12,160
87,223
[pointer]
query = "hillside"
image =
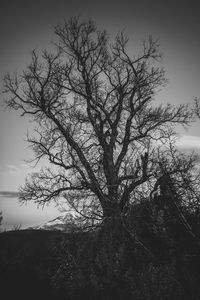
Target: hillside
x,y
149,255
27,260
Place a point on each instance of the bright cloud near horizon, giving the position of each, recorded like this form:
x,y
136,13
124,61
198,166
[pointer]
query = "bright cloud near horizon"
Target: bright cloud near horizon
x,y
25,25
189,142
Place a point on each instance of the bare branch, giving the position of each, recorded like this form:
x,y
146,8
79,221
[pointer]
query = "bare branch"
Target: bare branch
x,y
97,121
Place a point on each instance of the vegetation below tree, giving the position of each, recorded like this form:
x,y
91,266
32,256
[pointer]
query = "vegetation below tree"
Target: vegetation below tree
x,y
147,254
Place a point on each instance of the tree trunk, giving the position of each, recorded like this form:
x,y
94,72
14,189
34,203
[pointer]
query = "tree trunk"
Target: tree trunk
x,y
111,209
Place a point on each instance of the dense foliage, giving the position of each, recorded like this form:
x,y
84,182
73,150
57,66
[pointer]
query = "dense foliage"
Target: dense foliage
x,y
149,254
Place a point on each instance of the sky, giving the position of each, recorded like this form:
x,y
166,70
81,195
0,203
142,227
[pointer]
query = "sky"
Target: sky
x,y
25,25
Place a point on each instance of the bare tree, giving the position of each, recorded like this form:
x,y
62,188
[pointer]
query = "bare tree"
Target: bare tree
x,y
97,120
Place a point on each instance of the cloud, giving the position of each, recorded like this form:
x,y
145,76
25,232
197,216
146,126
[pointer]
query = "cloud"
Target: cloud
x,y
24,165
188,142
12,167
11,170
9,194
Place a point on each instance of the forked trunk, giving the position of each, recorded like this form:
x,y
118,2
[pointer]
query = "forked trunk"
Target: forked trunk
x,y
111,209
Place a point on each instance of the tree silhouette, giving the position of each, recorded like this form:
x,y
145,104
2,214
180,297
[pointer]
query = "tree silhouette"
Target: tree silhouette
x,y
1,217
97,120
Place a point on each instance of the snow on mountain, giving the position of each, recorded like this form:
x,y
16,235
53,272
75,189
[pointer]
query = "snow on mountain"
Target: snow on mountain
x,y
65,223
59,223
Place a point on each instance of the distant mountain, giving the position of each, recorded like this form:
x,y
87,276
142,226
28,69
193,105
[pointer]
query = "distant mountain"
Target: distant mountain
x,y
63,223
59,223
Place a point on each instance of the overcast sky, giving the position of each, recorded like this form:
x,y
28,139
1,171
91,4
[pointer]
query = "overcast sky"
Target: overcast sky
x,y
25,25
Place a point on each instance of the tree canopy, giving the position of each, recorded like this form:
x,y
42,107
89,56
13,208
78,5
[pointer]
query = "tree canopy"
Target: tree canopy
x,y
108,141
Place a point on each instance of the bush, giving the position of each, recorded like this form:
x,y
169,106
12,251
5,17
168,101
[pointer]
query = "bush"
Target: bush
x,y
139,256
